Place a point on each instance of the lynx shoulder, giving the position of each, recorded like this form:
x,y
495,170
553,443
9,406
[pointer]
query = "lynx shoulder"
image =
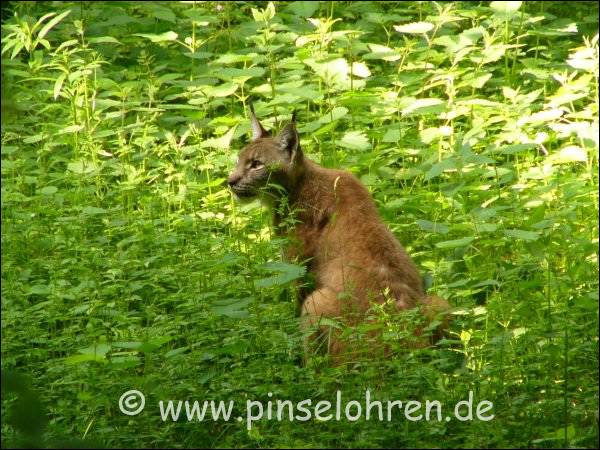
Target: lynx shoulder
x,y
354,259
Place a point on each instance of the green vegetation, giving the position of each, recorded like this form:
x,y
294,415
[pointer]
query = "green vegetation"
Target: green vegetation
x,y
126,264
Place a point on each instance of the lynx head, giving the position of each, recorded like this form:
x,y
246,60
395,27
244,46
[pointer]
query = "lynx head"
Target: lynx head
x,y
267,161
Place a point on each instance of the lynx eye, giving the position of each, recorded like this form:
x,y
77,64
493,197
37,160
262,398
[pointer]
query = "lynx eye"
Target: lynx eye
x,y
256,164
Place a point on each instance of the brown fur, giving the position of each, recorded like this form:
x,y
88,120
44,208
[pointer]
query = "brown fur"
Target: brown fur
x,y
354,259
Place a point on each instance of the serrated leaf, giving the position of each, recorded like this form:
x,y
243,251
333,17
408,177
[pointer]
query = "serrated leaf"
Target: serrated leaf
x,y
360,69
512,149
232,307
391,135
220,143
415,27
286,272
505,8
479,81
382,52
424,106
70,129
81,167
334,72
163,37
103,40
571,153
522,234
438,168
33,139
336,113
48,190
355,140
455,243
222,90
303,9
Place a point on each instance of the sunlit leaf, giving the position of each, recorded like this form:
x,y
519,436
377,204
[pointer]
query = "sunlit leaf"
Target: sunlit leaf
x,y
51,23
415,27
355,140
505,8
222,90
163,37
360,69
424,106
568,154
58,84
221,143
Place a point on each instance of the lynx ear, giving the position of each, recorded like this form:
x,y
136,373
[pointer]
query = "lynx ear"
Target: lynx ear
x,y
288,138
258,130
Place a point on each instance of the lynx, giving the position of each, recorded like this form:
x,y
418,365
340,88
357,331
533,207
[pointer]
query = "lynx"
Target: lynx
x,y
354,260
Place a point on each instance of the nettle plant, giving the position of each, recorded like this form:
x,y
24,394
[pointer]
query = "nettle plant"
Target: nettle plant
x,y
124,256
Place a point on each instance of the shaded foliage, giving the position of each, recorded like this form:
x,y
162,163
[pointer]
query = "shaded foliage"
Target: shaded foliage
x,y
126,263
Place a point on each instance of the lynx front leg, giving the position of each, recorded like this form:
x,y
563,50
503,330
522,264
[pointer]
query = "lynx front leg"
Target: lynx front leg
x,y
319,306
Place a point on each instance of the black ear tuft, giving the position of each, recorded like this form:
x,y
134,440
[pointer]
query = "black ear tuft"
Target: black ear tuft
x,y
288,138
258,131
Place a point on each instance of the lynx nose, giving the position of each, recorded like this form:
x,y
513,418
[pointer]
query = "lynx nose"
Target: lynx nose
x,y
233,180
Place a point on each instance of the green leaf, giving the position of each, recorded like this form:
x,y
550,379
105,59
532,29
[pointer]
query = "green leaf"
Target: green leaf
x,y
52,23
391,135
33,139
176,351
222,90
81,167
433,227
336,113
512,149
93,353
163,37
335,72
360,69
415,27
455,243
93,210
382,52
103,40
220,143
286,272
70,129
303,9
38,289
58,84
522,234
507,9
569,154
424,106
355,140
48,190
429,135
438,168
231,307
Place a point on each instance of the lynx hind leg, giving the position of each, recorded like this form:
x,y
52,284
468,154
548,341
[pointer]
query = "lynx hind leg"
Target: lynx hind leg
x,y
318,311
435,308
